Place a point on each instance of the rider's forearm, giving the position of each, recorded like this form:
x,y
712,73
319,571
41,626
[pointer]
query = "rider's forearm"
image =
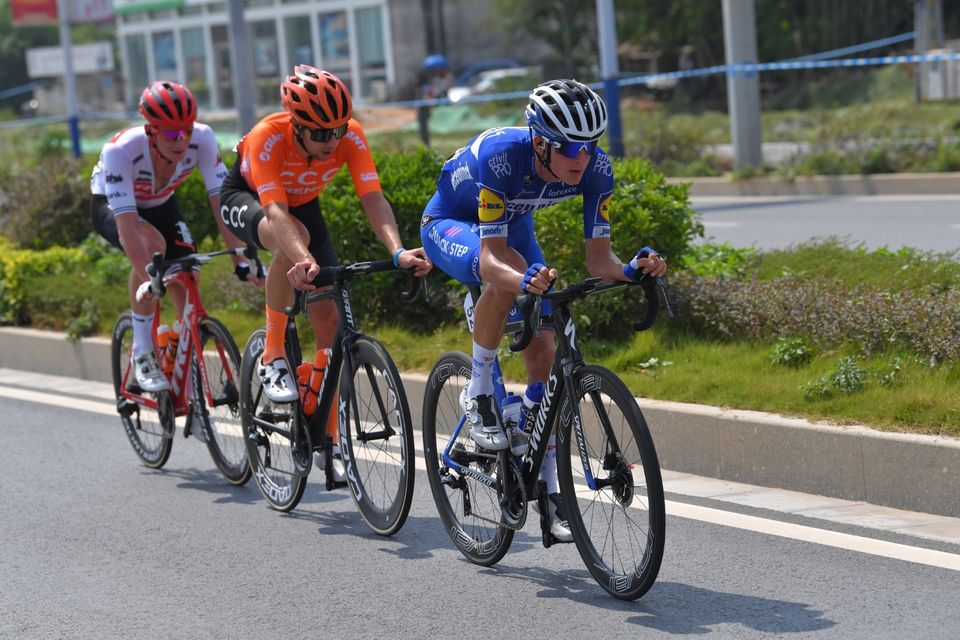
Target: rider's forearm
x,y
382,220
602,262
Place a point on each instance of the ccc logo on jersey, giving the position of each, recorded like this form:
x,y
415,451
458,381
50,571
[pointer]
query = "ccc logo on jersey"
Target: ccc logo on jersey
x,y
490,206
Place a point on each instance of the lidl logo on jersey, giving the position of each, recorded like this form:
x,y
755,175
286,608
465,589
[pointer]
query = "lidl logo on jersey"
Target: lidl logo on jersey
x,y
490,206
604,211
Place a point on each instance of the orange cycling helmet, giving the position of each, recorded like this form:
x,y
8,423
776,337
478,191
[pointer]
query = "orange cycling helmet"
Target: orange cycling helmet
x,y
316,99
168,105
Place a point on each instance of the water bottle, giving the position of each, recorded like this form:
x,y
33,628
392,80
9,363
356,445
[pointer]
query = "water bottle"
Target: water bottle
x,y
531,400
163,341
310,376
510,409
170,353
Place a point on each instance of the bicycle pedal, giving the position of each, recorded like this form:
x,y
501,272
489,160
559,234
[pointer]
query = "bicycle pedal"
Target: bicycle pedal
x,y
126,407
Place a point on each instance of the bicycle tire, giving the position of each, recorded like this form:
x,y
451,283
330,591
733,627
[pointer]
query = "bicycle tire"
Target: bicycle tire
x,y
150,431
219,420
270,453
618,529
376,437
469,509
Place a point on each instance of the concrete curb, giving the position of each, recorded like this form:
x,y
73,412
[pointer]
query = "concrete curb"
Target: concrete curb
x,y
849,185
912,472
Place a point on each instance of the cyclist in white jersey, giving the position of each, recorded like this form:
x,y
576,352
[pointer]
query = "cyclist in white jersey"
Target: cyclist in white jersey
x,y
133,205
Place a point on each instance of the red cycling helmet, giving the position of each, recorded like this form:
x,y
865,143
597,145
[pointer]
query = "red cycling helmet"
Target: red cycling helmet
x,y
168,105
316,99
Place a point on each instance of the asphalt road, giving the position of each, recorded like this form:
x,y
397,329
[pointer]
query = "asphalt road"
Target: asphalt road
x,y
94,545
923,222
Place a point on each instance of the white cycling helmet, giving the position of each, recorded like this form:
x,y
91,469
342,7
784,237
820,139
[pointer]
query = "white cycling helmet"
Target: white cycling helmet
x,y
562,110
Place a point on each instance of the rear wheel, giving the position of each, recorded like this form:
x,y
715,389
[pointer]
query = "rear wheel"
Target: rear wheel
x,y
148,419
216,400
469,508
268,432
619,523
376,437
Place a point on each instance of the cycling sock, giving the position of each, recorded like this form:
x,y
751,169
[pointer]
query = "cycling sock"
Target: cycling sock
x,y
548,470
142,330
276,325
481,376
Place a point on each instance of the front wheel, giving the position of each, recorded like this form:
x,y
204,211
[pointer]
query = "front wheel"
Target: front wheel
x,y
469,508
268,432
148,419
216,399
610,482
376,437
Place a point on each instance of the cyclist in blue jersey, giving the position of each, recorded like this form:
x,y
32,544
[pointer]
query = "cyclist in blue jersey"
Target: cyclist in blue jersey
x,y
478,228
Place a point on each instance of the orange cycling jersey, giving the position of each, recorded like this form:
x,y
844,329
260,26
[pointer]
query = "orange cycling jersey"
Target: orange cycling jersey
x,y
272,166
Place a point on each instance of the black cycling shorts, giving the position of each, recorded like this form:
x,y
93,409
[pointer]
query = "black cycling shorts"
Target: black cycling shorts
x,y
241,211
165,217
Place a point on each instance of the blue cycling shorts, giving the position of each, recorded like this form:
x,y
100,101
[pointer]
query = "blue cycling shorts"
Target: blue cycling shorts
x,y
454,245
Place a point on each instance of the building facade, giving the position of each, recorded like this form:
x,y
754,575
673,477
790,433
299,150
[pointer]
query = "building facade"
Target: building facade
x,y
375,46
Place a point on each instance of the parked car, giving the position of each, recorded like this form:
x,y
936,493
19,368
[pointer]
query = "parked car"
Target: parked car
x,y
468,75
496,81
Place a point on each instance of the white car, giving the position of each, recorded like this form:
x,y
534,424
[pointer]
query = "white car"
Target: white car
x,y
487,80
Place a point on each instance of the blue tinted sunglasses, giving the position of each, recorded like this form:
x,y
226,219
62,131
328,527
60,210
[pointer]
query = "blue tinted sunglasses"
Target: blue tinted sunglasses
x,y
570,149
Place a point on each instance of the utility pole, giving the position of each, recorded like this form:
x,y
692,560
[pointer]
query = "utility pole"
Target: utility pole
x,y
70,85
743,89
241,67
609,70
927,35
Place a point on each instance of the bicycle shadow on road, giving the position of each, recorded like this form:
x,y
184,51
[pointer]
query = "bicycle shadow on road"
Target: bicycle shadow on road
x,y
684,609
210,481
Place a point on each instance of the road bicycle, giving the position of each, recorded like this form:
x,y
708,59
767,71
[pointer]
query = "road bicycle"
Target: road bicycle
x,y
607,467
204,382
375,434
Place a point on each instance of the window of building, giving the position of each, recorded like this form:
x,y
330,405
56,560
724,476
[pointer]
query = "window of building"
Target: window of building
x,y
194,64
136,56
373,60
164,55
190,10
335,45
299,46
265,62
221,66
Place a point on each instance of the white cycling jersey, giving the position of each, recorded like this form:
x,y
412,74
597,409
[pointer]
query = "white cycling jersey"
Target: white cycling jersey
x,y
125,174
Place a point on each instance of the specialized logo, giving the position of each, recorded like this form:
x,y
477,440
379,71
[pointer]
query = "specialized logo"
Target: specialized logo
x,y
539,421
490,206
268,146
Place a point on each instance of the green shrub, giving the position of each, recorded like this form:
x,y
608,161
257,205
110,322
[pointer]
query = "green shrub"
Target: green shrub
x,y
848,377
791,352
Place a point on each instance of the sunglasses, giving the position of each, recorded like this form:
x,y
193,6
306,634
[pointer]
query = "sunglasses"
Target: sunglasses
x,y
324,135
570,149
176,134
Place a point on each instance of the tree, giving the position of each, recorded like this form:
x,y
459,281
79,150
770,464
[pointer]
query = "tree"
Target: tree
x,y
569,27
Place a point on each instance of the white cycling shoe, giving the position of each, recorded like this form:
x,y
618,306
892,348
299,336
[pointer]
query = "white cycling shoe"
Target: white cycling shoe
x,y
484,424
559,527
149,375
277,382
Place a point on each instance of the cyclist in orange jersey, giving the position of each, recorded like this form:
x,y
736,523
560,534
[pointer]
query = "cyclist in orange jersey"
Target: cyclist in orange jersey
x,y
270,199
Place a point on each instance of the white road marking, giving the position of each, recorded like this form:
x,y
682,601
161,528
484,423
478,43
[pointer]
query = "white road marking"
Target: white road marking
x,y
710,515
720,224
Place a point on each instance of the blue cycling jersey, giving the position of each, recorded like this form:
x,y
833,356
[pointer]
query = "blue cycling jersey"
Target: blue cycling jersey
x,y
492,181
